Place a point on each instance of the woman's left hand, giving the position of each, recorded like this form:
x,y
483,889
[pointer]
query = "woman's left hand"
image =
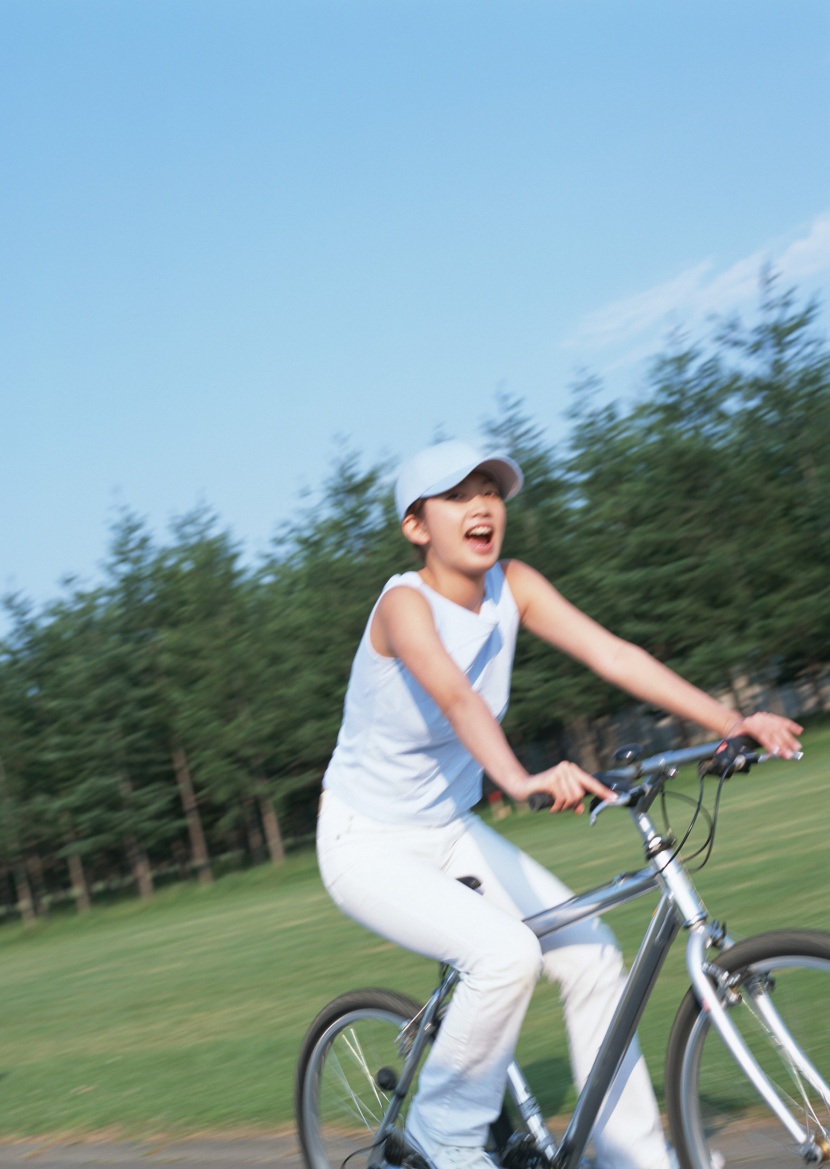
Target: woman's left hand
x,y
774,732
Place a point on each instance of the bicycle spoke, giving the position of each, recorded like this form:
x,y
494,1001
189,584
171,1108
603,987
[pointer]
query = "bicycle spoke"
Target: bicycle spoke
x,y
361,1109
340,1105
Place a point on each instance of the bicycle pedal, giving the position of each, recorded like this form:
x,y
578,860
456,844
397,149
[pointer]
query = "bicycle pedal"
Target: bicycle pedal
x,y
522,1152
397,1151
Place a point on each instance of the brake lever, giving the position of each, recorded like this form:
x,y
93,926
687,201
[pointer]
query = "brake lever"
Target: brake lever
x,y
624,800
738,755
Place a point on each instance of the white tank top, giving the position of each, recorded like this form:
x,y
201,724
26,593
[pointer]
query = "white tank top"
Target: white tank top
x,y
397,758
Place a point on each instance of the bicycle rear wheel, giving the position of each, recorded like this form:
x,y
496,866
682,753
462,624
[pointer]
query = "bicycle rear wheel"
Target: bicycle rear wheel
x,y
348,1066
716,1118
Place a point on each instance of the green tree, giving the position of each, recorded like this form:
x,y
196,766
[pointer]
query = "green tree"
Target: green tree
x,y
23,777
781,439
694,522
318,587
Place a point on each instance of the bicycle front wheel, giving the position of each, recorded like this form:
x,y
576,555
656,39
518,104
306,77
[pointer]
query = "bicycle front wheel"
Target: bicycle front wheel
x,y
348,1067
778,986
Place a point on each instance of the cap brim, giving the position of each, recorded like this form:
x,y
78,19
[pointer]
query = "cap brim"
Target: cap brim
x,y
504,471
436,469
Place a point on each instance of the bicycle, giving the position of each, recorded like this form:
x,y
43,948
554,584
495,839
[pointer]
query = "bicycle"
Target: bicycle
x,y
753,1028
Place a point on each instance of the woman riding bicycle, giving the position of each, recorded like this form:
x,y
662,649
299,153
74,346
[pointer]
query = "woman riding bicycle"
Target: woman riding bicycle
x,y
428,689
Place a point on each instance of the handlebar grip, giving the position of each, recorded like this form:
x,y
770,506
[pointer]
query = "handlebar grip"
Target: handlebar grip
x,y
736,754
538,801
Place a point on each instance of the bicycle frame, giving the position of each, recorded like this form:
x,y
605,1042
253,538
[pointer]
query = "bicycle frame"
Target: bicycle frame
x,y
679,907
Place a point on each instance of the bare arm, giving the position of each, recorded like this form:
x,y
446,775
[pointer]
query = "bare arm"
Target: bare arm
x,y
403,627
547,614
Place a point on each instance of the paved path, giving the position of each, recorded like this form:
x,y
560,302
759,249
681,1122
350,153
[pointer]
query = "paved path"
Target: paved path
x,y
278,1151
226,1153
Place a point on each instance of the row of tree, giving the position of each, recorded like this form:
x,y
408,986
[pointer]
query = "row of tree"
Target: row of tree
x,y
182,713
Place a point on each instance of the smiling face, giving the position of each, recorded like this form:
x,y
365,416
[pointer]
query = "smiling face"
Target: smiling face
x,y
461,529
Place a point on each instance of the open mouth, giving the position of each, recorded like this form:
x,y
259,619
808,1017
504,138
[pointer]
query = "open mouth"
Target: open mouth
x,y
480,537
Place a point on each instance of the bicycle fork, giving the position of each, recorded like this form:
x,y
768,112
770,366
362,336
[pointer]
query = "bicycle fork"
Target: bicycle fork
x,y
712,989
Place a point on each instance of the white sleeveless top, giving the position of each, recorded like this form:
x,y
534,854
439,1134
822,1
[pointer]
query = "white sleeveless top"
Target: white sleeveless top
x,y
397,758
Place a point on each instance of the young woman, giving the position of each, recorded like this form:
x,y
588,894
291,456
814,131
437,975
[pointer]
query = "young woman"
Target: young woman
x,y
428,689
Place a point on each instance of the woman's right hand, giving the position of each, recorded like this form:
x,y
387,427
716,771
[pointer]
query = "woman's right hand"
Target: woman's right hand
x,y
568,784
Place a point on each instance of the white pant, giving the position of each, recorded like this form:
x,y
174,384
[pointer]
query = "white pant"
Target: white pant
x,y
400,882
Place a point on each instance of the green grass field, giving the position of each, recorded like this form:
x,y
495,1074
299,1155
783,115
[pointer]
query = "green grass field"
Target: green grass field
x,y
186,1014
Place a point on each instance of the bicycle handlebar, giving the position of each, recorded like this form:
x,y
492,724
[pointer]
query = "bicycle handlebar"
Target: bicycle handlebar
x,y
722,758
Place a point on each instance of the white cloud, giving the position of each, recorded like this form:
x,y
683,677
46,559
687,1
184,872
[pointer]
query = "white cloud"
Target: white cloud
x,y
809,256
636,314
699,292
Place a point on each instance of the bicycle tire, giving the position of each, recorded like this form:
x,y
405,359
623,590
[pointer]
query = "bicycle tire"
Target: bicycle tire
x,y
716,1118
338,1101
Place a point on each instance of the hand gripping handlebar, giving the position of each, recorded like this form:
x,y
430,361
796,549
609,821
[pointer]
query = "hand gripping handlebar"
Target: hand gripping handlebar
x,y
722,758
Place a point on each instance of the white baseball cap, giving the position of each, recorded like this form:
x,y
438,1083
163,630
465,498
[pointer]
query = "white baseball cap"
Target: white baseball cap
x,y
440,467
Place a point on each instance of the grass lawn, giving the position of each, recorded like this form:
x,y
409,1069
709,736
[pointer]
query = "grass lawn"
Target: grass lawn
x,y
186,1014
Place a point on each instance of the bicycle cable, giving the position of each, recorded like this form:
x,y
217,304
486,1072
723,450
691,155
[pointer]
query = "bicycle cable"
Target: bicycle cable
x,y
358,1153
706,847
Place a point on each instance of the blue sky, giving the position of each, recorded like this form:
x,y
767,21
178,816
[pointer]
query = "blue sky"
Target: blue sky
x,y
236,235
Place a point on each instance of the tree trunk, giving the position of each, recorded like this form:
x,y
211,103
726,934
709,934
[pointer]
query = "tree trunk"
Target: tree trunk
x,y
181,859
11,847
140,866
253,832
77,877
136,856
198,847
271,824
34,869
23,894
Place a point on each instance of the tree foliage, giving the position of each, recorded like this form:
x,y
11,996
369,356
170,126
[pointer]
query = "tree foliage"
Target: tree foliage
x,y
180,715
